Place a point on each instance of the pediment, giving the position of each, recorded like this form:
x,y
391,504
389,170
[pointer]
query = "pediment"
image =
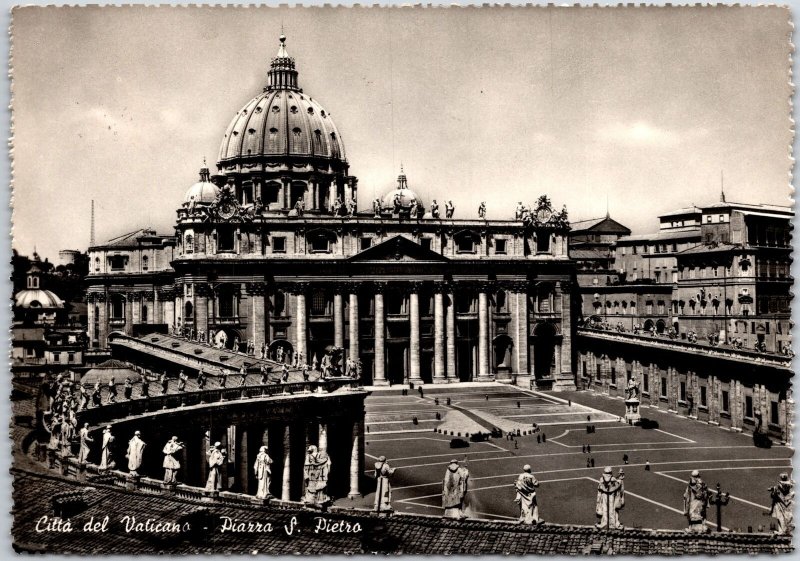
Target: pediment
x,y
398,248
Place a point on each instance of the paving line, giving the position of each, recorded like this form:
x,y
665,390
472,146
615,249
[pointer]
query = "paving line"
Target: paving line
x,y
762,507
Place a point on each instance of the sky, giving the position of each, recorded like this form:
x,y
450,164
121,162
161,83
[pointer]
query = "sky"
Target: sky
x,y
636,110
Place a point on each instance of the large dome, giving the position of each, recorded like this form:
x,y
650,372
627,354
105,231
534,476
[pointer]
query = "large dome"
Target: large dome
x,y
405,196
281,121
37,298
202,192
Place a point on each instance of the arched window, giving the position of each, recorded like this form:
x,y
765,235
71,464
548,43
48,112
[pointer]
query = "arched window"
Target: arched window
x,y
188,311
188,243
145,262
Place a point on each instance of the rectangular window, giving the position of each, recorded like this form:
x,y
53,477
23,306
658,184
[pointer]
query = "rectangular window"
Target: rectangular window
x,y
663,386
613,376
225,239
703,396
366,243
634,250
773,412
320,244
543,243
70,357
465,245
597,374
585,375
683,391
56,357
724,406
278,244
117,262
500,247
646,382
748,406
425,243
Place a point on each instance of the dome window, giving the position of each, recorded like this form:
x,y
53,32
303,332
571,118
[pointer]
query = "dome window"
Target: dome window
x,y
273,134
251,131
258,110
235,133
293,109
275,109
296,131
322,113
310,110
244,111
333,135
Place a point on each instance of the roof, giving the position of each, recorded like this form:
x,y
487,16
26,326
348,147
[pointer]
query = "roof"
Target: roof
x,y
776,209
600,253
37,298
104,371
605,225
399,533
662,236
131,240
705,249
27,334
682,212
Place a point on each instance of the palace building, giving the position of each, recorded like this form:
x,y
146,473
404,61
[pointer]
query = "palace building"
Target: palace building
x,y
272,251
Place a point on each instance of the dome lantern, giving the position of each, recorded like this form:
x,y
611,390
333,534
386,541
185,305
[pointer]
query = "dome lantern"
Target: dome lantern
x,y
282,74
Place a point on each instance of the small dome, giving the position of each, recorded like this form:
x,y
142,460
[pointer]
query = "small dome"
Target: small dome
x,y
37,298
104,371
407,196
202,192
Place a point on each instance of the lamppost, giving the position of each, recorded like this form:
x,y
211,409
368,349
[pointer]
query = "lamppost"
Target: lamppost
x,y
720,499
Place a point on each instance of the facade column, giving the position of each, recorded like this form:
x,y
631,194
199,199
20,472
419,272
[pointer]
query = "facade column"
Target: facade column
x,y
136,307
355,459
91,317
483,335
439,374
565,378
200,309
338,320
413,344
158,309
300,321
257,314
129,313
102,332
353,326
379,379
450,321
287,464
523,330
169,311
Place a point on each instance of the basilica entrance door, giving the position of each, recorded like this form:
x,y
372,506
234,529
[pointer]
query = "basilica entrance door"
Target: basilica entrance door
x,y
465,360
396,363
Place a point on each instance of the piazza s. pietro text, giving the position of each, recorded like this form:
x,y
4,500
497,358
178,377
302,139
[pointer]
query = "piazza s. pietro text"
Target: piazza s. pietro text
x,y
308,363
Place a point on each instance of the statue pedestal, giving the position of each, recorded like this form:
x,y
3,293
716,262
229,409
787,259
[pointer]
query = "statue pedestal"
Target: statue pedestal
x,y
132,482
261,502
632,415
168,488
210,496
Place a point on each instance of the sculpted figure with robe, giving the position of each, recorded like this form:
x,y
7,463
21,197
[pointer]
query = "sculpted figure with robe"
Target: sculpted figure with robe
x,y
216,458
526,485
610,499
83,451
695,503
171,464
135,451
782,496
316,470
107,452
454,490
383,491
263,471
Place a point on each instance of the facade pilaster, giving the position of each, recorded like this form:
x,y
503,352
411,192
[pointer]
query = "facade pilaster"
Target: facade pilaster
x,y
338,320
450,325
353,326
379,379
483,334
439,374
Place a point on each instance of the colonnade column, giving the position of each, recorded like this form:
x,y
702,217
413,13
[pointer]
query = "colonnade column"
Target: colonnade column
x,y
439,374
450,321
483,334
300,320
379,379
355,459
353,326
287,464
413,344
338,320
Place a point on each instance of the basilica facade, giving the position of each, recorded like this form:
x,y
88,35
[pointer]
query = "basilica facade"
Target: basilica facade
x,y
273,251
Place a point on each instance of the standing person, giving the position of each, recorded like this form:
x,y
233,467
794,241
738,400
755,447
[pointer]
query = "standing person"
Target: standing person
x,y
145,391
782,510
695,503
305,373
454,490
263,473
83,451
264,375
201,379
216,457
526,485
171,464
610,499
223,377
135,451
182,379
97,396
284,373
128,391
449,209
243,374
383,490
112,391
164,382
106,452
